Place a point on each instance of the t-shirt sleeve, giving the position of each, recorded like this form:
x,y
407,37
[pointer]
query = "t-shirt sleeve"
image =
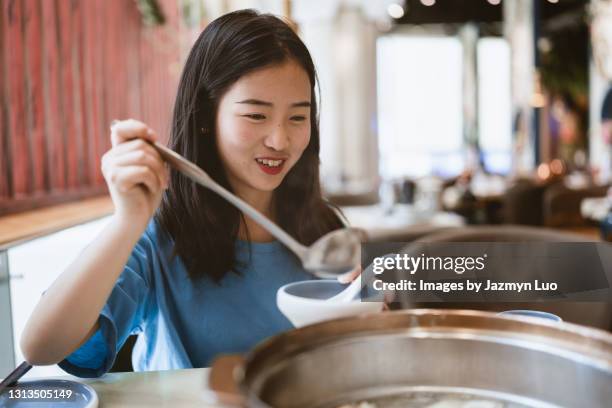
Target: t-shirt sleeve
x,y
122,315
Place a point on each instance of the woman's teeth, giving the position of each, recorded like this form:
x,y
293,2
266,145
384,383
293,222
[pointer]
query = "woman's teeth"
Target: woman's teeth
x,y
270,163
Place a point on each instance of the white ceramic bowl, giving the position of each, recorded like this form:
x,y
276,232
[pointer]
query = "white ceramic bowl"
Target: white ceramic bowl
x,y
305,303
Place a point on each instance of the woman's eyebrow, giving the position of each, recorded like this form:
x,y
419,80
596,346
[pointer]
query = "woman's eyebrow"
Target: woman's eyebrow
x,y
255,102
305,104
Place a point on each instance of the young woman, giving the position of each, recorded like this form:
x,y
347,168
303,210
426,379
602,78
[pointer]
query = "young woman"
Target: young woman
x,y
177,264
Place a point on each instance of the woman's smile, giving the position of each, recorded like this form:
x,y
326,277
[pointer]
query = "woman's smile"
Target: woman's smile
x,y
270,165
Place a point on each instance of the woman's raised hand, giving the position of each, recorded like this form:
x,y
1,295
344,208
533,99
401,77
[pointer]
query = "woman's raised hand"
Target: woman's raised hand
x,y
134,172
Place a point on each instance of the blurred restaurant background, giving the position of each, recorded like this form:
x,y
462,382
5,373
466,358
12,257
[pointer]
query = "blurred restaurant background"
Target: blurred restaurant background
x,y
435,115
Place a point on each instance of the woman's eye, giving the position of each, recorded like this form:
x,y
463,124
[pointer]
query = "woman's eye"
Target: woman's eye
x,y
298,118
255,116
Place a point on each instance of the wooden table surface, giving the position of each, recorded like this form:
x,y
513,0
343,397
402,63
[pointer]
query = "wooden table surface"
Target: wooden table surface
x,y
172,388
17,228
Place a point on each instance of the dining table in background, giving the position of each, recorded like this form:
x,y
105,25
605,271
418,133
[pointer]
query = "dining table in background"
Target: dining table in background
x,y
401,220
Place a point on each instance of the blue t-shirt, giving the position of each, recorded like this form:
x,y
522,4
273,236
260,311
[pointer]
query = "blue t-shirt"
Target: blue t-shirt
x,y
182,324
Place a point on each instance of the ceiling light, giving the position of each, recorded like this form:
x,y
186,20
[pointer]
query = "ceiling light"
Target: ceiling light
x,y
545,45
494,2
428,2
543,171
395,10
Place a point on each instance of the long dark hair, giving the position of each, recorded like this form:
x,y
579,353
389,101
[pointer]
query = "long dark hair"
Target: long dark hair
x,y
202,225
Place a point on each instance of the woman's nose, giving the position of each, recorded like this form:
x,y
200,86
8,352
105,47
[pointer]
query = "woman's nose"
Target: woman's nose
x,y
278,139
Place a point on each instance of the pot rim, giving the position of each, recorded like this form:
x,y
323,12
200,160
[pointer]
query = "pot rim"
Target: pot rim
x,y
592,346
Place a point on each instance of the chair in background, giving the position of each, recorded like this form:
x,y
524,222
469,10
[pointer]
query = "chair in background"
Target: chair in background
x,y
463,203
123,361
406,191
596,314
352,199
459,198
561,205
522,203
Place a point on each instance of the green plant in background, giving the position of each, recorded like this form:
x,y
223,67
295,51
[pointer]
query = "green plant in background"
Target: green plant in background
x,y
151,12
193,12
564,67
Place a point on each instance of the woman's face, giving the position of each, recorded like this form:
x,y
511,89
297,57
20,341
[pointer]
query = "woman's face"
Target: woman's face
x,y
263,126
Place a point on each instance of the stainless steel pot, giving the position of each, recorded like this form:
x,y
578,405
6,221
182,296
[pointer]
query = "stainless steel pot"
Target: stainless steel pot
x,y
413,358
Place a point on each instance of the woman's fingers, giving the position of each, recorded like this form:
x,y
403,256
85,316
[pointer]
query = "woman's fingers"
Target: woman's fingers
x,y
146,156
350,276
126,178
134,145
124,130
133,169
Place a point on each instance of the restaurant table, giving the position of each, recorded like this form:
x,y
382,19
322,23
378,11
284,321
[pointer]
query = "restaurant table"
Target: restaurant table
x,y
403,223
400,216
172,388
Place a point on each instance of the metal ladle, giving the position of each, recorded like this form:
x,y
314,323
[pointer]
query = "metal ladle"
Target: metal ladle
x,y
334,253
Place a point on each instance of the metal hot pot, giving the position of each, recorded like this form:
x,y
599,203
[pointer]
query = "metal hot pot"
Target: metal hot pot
x,y
420,358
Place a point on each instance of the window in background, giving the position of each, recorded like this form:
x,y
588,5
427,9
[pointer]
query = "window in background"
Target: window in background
x,y
494,104
419,106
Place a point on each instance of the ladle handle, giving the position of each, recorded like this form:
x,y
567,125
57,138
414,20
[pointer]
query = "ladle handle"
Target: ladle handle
x,y
199,176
